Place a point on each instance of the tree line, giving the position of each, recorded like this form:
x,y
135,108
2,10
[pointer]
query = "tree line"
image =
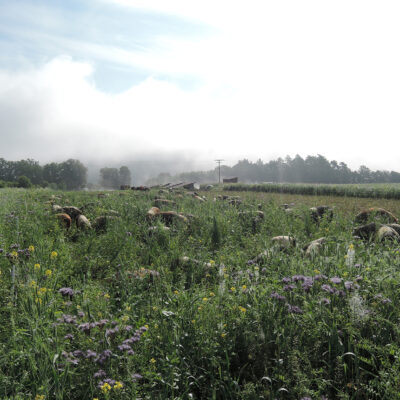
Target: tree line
x,y
312,169
68,175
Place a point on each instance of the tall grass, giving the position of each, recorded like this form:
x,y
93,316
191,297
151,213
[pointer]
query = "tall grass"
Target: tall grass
x,y
137,320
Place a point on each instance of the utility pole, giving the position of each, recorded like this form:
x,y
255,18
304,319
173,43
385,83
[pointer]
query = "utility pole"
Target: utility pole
x,y
219,169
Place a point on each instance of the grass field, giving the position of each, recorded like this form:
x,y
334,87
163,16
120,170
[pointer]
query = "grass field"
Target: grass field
x,y
192,312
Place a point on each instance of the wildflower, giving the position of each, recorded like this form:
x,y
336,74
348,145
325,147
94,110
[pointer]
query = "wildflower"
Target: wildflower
x,y
320,277
223,335
69,336
118,385
39,397
32,284
233,289
325,301
212,294
277,296
244,287
37,267
286,280
90,354
107,296
317,271
105,388
53,255
153,361
242,309
289,288
99,374
48,273
14,254
193,321
328,288
212,262
38,300
128,308
205,299
336,280
31,248
294,309
176,291
136,377
66,292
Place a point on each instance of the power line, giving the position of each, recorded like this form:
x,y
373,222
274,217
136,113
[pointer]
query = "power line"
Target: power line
x,y
219,169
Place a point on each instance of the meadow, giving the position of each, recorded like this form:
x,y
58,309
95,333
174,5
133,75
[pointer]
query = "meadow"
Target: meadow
x,y
210,308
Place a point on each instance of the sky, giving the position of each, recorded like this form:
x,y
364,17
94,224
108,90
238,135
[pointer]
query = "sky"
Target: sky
x,y
194,81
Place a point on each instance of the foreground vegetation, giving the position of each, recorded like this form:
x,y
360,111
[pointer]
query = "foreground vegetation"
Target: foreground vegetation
x,y
122,314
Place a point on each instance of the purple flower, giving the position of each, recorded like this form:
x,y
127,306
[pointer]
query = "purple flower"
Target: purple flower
x,y
328,288
90,354
340,293
386,301
128,328
264,271
136,377
325,301
101,323
124,347
130,352
85,327
277,296
66,292
294,309
297,278
69,336
68,319
320,277
359,278
78,353
81,314
336,280
99,374
289,288
349,285
286,279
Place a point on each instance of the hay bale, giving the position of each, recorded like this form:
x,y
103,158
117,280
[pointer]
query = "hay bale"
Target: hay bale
x,y
64,219
387,233
83,223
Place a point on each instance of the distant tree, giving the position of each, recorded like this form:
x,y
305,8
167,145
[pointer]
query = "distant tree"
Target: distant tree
x,y
109,178
52,173
24,182
29,168
73,174
124,176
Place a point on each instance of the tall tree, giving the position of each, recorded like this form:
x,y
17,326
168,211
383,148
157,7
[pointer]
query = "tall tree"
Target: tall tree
x,y
124,176
73,174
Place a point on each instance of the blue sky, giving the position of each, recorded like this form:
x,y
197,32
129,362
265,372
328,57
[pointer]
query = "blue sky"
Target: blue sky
x,y
129,79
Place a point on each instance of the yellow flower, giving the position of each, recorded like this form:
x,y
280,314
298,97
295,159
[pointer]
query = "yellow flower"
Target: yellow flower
x,y
212,262
146,326
345,274
193,321
53,255
256,268
317,271
14,254
154,308
233,289
38,300
48,273
212,294
153,361
31,248
124,318
42,290
107,296
244,287
205,299
118,385
223,335
200,308
176,291
36,266
242,309
351,247
105,388
128,308
32,284
39,397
